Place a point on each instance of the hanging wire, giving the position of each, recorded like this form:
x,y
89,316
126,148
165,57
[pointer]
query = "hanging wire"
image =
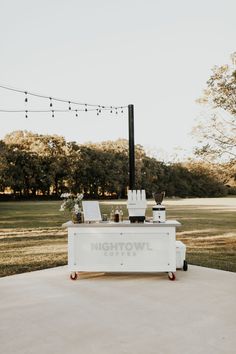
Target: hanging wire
x,y
53,111
48,110
28,93
44,110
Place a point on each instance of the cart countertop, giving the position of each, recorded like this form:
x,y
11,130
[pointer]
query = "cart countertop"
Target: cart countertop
x,y
168,223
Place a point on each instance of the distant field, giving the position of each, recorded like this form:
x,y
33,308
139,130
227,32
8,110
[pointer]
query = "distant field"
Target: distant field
x,y
31,236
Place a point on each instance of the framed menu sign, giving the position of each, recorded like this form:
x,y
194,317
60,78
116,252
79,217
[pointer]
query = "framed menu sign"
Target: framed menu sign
x,y
91,211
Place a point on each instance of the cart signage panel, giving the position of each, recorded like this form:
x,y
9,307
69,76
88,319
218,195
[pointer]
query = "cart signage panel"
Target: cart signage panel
x,y
126,249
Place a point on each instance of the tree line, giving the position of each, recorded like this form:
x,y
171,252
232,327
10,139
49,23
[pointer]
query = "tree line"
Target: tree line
x,y
48,165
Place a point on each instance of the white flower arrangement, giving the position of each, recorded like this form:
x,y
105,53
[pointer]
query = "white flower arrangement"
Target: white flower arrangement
x,y
71,202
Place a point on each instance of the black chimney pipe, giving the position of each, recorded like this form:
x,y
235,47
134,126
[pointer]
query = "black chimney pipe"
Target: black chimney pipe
x,y
131,148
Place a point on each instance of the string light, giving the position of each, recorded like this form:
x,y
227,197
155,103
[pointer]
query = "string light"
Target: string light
x,y
48,110
41,110
84,106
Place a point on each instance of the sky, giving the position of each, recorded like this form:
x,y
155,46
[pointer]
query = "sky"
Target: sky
x,y
154,54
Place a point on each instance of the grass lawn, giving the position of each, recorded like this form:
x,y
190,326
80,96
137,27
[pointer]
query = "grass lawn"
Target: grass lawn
x,y
31,236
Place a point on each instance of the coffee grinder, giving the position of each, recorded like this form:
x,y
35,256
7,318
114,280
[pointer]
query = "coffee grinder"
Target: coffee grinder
x,y
159,211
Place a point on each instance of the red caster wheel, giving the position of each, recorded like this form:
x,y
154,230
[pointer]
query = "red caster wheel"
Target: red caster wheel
x,y
73,276
171,276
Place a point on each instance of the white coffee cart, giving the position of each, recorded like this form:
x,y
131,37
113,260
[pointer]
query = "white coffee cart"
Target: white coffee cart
x,y
122,247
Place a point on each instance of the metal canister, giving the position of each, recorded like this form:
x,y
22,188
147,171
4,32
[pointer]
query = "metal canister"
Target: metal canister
x,y
159,213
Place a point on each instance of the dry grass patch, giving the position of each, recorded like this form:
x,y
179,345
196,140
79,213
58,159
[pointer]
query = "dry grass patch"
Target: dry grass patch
x,y
25,250
215,251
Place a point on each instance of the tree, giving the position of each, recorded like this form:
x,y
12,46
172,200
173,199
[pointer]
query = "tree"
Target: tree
x,y
205,180
3,165
99,169
51,150
154,175
21,171
217,133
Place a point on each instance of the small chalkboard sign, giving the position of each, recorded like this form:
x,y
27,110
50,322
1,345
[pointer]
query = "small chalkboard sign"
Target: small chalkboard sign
x,y
91,211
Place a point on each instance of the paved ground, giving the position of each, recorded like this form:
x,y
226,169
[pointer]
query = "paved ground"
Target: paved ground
x,y
46,313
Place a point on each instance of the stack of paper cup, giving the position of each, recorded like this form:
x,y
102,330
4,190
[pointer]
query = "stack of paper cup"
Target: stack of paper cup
x,y
137,202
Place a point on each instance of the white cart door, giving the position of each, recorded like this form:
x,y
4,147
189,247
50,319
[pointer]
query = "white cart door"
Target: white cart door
x,y
91,249
149,252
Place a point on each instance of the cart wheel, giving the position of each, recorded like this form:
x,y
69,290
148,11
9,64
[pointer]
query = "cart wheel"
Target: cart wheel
x,y
73,276
171,275
185,266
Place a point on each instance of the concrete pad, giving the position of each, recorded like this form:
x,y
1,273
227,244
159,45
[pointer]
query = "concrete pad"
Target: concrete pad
x,y
44,312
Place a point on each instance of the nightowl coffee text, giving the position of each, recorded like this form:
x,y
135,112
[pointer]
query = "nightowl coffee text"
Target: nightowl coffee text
x,y
120,248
